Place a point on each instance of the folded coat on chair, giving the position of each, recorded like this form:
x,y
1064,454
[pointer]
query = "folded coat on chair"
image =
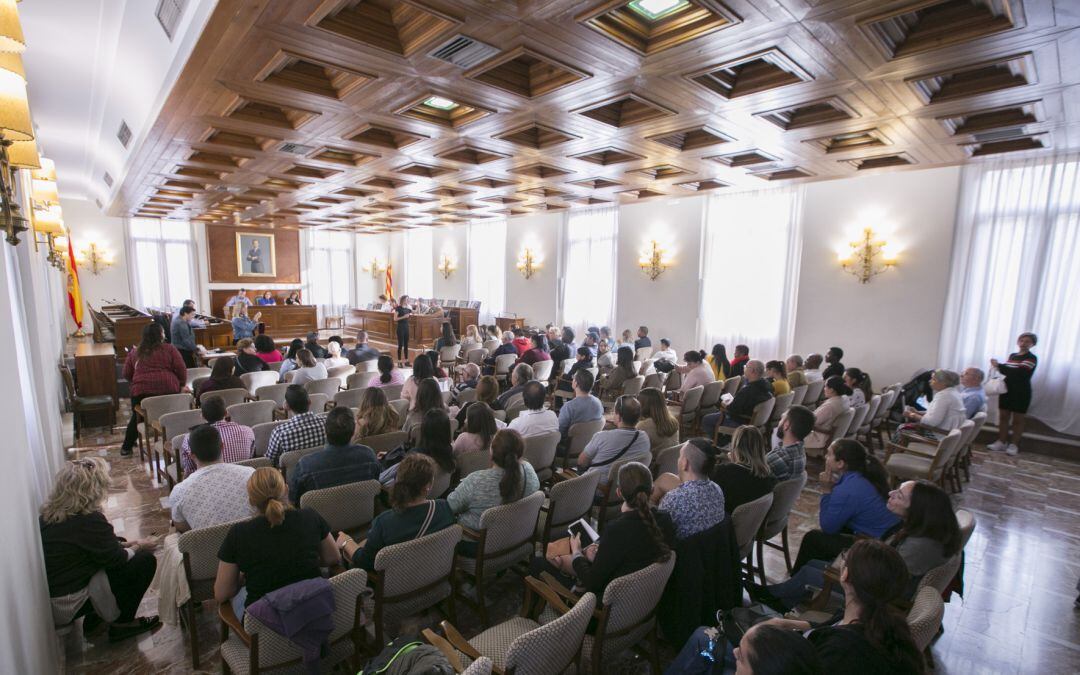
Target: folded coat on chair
x,y
302,612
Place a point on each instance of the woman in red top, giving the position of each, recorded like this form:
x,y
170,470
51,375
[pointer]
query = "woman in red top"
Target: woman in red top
x,y
153,369
266,350
537,350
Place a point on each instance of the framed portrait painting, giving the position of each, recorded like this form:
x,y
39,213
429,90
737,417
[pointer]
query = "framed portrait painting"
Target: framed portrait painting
x,y
255,255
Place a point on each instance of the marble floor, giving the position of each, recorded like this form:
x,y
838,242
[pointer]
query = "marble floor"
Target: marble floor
x,y
1017,614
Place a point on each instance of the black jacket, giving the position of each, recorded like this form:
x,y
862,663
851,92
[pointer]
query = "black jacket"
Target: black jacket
x,y
742,407
706,578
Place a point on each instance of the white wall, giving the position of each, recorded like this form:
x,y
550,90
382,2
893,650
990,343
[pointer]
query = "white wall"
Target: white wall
x,y
537,298
452,242
87,224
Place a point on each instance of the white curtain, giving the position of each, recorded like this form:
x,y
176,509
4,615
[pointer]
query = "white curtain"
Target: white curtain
x,y
331,269
1014,269
419,264
487,268
750,271
162,257
589,269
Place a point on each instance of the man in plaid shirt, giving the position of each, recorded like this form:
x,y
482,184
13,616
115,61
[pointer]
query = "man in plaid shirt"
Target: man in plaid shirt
x,y
788,459
237,441
305,430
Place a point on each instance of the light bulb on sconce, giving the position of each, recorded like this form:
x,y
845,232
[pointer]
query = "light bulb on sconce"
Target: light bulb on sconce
x,y
868,256
376,267
654,261
96,257
446,266
529,263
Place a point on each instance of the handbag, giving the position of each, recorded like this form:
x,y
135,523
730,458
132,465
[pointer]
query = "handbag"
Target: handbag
x,y
735,622
995,386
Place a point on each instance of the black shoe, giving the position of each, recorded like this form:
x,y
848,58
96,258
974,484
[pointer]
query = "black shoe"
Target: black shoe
x,y
759,593
137,627
126,452
91,623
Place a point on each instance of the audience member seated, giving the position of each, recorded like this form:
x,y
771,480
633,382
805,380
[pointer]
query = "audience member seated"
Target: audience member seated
x,y
340,462
423,369
534,420
694,502
470,376
639,537
656,419
293,299
812,371
428,397
854,490
666,353
776,374
78,542
835,368
375,416
563,347
289,362
221,377
247,358
507,347
583,359
446,338
746,475
971,381
626,338
434,442
642,340
945,412
471,341
278,547
215,491
154,368
509,479
602,352
362,352
796,376
739,360
538,350
266,350
313,346
244,326
765,648
718,362
696,373
304,430
787,459
411,516
521,342
584,407
308,369
834,405
236,440
612,383
861,389
623,443
519,377
487,391
389,374
335,359
480,429
756,389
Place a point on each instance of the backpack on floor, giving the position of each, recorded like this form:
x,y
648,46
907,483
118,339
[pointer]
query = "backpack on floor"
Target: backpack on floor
x,y
408,656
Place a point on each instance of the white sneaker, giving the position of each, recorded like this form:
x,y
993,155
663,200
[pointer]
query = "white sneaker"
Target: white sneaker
x,y
996,446
1012,449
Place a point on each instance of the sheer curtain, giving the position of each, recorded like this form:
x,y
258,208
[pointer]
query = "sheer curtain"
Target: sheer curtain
x,y
162,255
750,271
419,264
487,267
330,271
1014,269
589,268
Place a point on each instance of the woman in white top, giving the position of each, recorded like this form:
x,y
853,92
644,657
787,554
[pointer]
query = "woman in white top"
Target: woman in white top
x,y
861,389
696,373
335,359
307,369
471,340
945,413
834,405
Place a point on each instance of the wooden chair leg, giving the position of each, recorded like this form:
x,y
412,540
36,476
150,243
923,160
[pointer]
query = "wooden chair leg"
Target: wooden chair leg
x,y
761,561
787,549
654,651
193,634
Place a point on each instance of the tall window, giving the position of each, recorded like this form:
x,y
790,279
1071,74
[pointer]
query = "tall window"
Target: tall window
x,y
1014,270
162,261
419,264
330,270
589,269
487,268
740,228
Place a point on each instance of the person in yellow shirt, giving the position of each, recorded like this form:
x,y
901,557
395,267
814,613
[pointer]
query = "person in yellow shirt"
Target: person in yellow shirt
x,y
719,363
776,373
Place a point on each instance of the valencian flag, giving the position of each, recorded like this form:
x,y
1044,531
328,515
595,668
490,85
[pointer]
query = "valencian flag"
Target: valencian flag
x,y
74,292
388,291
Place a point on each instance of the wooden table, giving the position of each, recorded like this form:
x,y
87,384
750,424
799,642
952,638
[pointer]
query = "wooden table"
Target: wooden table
x,y
380,326
127,325
509,322
95,370
217,332
462,317
290,321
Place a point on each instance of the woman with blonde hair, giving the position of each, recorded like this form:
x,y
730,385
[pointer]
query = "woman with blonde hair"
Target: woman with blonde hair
x,y
375,415
746,476
472,340
279,546
657,422
487,391
79,542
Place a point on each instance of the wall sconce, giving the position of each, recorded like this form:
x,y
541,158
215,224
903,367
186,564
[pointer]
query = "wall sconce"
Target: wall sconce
x,y
98,259
15,125
528,264
653,262
375,267
446,266
867,257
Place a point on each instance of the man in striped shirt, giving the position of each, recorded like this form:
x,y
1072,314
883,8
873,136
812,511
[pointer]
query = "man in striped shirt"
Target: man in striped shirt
x,y
237,441
304,430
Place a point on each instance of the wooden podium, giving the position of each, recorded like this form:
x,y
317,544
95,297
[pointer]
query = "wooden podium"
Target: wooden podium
x,y
380,326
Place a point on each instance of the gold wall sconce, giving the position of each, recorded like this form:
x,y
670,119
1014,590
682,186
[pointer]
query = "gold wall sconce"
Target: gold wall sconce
x,y
528,263
867,257
446,266
15,125
95,257
376,267
654,261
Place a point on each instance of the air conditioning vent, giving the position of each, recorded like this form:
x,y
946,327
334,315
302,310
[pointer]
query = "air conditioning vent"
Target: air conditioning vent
x,y
463,52
999,134
295,148
108,179
169,13
124,134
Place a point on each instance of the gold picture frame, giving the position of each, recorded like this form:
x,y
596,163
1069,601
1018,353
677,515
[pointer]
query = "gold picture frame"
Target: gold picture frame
x,y
262,265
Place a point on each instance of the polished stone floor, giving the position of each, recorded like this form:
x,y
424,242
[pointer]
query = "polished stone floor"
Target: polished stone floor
x,y
1016,616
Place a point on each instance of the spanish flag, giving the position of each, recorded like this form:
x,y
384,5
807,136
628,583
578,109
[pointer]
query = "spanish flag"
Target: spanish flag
x,y
74,292
388,291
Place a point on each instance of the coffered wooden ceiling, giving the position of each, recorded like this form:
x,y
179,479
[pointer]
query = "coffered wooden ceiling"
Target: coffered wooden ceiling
x,y
380,115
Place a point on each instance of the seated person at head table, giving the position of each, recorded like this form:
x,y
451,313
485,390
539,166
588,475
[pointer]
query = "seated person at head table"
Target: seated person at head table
x,y
237,302
266,299
293,299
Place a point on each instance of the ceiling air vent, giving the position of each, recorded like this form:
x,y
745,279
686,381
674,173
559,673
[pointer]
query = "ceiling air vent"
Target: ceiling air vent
x,y
295,148
108,179
124,134
169,13
999,134
463,51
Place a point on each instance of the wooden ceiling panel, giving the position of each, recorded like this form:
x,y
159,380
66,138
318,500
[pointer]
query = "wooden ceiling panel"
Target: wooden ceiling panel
x,y
526,72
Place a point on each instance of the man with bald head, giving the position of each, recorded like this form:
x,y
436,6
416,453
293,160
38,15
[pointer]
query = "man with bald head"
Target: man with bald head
x,y
755,390
971,390
812,371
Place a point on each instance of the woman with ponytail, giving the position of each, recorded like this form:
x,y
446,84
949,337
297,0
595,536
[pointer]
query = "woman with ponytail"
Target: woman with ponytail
x,y
695,373
861,389
279,546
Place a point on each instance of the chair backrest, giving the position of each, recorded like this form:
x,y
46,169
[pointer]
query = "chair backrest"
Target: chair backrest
x,y
262,435
799,393
631,598
344,507
449,354
710,396
69,383
843,421
491,345
966,519
466,396
940,577
481,666
861,411
385,442
642,353
318,404
440,484
747,520
401,407
416,564
542,370
654,380
476,356
732,384
273,392
692,400
946,451
503,363
785,494
176,423
572,499
471,462
667,459
392,391
348,398
781,404
551,647
328,386
873,405
254,381
888,398
360,380
581,433
255,462
540,450
924,617
229,396
290,459
341,372
979,419
200,549
514,407
762,412
633,385
156,406
198,382
967,433
813,392
510,525
369,366
193,373
250,414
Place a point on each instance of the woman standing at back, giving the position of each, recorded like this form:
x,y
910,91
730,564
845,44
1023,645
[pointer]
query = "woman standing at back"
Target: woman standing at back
x,y
154,368
1013,404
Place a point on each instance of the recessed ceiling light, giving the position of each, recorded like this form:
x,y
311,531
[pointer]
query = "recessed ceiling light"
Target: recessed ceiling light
x,y
657,9
440,103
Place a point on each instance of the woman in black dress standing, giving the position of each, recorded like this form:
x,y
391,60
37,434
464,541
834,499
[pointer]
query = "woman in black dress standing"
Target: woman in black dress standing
x,y
1013,404
401,317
